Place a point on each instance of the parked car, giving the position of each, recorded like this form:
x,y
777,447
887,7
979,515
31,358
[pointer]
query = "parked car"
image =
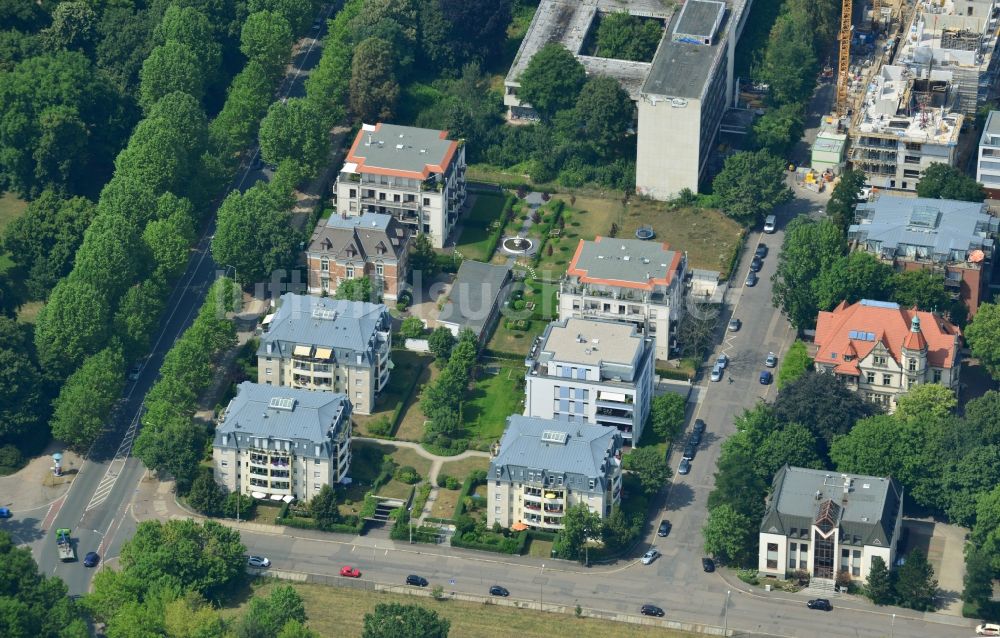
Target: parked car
x,y
751,279
722,360
695,437
258,562
716,374
820,603
5,513
418,581
135,371
650,556
766,377
988,629
690,449
771,360
756,264
497,590
684,467
699,426
91,559
761,251
769,224
664,529
350,572
650,610
734,325
708,564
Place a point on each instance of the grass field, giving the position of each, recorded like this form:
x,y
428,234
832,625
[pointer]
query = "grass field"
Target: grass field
x,y
477,226
395,489
337,611
10,208
406,364
411,426
461,469
495,397
444,505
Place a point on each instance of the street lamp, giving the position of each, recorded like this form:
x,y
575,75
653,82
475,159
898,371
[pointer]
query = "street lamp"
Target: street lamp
x,y
725,629
541,600
892,626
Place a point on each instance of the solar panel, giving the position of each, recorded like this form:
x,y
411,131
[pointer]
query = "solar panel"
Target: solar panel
x,y
554,436
282,403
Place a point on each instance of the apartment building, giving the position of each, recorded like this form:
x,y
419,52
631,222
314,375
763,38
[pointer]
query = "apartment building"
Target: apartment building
x,y
541,467
592,371
628,280
988,164
950,237
370,245
824,524
417,175
881,350
282,444
318,343
906,123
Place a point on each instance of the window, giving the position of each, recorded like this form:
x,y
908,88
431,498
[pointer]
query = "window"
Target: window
x,y
349,272
886,379
591,484
870,377
357,395
315,486
772,556
912,364
937,376
879,360
267,370
357,381
324,265
315,474
912,146
427,201
911,159
498,496
225,463
496,510
379,269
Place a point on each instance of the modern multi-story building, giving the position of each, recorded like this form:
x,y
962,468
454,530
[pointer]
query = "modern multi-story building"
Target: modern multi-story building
x,y
540,468
905,124
825,524
592,371
953,238
881,350
282,444
629,280
318,343
417,175
988,165
370,245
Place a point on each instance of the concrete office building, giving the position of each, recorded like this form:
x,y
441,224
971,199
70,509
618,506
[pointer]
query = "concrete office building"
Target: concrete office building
x,y
592,371
282,444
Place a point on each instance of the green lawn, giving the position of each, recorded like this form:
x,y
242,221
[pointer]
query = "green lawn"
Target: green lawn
x,y
406,365
495,397
10,208
461,469
477,226
510,336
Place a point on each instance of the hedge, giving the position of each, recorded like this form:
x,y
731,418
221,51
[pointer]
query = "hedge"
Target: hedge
x,y
674,373
513,544
302,522
421,533
557,211
467,488
500,354
497,234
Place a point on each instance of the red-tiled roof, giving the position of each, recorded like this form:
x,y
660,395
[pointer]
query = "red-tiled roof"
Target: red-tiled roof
x,y
887,323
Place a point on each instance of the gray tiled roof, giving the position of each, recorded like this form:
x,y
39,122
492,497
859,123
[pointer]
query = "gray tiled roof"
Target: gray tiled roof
x,y
632,260
943,225
348,327
402,148
587,447
868,514
477,289
365,232
315,417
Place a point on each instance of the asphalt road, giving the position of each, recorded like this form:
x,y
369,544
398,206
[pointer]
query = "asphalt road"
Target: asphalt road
x,y
96,505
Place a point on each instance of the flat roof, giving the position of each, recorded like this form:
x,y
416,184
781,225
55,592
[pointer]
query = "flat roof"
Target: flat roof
x,y
593,342
699,19
474,294
631,263
991,129
681,69
401,151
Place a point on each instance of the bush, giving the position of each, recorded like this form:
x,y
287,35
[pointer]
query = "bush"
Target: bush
x,y
407,474
748,576
519,304
452,483
381,426
442,480
11,459
412,328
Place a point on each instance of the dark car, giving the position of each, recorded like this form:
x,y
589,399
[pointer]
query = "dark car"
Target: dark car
x,y
419,581
708,564
690,448
766,377
651,610
695,437
820,603
5,513
664,529
497,590
91,559
751,279
699,426
761,251
684,467
756,263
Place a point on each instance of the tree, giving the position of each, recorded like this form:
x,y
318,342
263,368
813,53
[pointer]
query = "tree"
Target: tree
x,y
265,617
978,579
795,363
359,289
374,88
441,342
138,316
112,256
941,181
74,26
323,508
789,61
294,129
738,484
878,586
23,401
915,582
295,629
729,535
84,404
191,27
853,277
236,125
984,415
627,37
267,39
552,81
206,496
779,129
456,31
580,525
393,620
976,473
412,328
751,185
297,12
603,113
845,196
983,337
809,249
823,404
926,401
666,415
923,289
169,239
191,617
170,67
423,259
252,233
648,464
71,326
791,444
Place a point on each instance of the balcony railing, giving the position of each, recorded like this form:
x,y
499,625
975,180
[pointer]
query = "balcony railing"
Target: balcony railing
x,y
532,506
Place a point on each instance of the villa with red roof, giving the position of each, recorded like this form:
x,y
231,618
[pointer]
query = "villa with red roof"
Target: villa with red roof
x,y
882,350
417,175
629,280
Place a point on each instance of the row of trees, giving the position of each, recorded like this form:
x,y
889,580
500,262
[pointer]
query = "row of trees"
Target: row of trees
x,y
441,401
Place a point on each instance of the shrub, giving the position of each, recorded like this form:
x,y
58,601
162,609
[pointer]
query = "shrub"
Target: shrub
x,y
10,458
407,474
748,576
451,483
381,426
412,328
443,480
519,304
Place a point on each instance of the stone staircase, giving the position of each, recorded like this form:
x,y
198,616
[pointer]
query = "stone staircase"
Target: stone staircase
x,y
822,588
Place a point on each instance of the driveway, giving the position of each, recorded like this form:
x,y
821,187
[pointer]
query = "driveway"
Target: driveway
x,y
945,548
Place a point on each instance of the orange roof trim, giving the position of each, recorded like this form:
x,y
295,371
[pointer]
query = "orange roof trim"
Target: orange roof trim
x,y
354,156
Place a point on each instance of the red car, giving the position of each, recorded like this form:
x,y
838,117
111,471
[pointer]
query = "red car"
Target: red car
x,y
350,572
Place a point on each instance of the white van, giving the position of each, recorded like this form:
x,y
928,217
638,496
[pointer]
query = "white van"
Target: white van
x,y
769,222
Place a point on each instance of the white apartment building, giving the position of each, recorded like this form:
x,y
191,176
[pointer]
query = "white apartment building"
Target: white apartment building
x,y
988,165
319,343
592,371
825,523
628,280
282,444
417,175
542,467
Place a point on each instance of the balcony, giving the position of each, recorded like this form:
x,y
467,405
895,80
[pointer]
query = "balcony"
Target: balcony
x,y
528,505
615,407
554,509
554,495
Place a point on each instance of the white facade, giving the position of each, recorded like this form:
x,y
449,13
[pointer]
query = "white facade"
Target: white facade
x,y
988,164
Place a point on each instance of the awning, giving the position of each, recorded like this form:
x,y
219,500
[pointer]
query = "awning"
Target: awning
x,y
268,319
288,498
276,497
612,396
550,495
518,527
258,494
324,353
302,351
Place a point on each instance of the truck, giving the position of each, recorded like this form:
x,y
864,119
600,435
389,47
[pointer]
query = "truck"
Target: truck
x,y
65,545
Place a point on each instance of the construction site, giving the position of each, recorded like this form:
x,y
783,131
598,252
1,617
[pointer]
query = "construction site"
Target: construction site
x,y
910,78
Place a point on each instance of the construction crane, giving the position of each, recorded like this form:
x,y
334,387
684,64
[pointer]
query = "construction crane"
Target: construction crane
x,y
876,12
844,59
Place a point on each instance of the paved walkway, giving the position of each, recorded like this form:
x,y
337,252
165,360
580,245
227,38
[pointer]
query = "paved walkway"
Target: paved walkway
x,y
33,486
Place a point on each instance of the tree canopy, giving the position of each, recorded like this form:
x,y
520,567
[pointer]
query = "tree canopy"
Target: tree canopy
x,y
810,248
845,196
253,235
821,403
943,181
374,87
750,185
648,464
394,620
552,80
627,37
983,336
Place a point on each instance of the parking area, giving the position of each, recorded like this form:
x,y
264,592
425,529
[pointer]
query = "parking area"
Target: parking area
x,y
944,545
